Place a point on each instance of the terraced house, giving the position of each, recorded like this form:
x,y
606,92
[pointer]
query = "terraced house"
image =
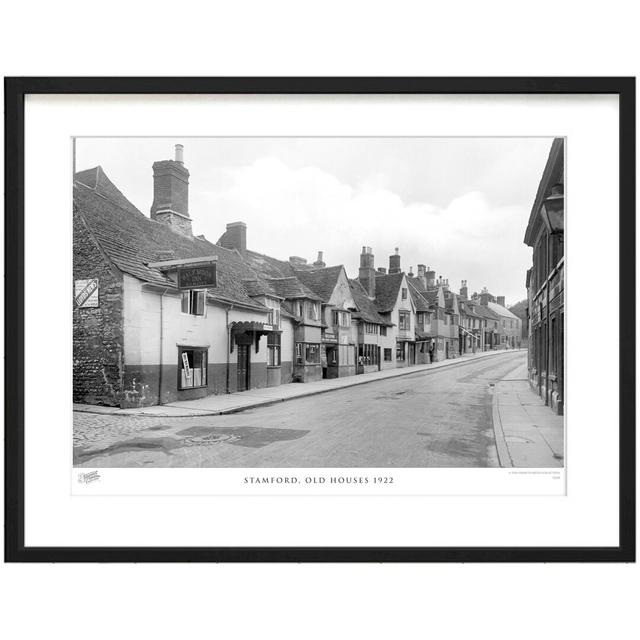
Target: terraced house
x,y
161,315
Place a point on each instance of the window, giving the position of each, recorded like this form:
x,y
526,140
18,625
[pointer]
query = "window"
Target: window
x,y
312,353
193,302
400,352
446,319
274,312
405,320
368,354
307,353
387,355
420,318
404,293
273,349
341,318
299,308
192,368
383,332
370,328
312,311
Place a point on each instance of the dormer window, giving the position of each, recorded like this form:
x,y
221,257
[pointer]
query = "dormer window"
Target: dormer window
x,y
274,312
404,293
312,311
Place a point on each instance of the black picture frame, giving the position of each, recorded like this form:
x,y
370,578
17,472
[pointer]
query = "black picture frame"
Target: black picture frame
x,y
15,91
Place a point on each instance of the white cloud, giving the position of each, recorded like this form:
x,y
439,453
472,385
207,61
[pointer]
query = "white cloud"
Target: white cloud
x,y
299,211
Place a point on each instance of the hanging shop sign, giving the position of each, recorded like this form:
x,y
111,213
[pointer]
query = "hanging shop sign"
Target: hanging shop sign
x,y
202,276
86,293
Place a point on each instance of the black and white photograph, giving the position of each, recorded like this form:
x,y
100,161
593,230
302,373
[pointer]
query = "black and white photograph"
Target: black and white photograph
x,y
318,302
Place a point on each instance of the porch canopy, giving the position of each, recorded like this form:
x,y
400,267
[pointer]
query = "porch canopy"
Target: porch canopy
x,y
422,336
251,326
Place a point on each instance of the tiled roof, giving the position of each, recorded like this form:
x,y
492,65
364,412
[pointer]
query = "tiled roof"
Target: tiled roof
x,y
419,298
320,281
267,266
431,296
416,282
291,288
387,288
132,241
366,308
502,311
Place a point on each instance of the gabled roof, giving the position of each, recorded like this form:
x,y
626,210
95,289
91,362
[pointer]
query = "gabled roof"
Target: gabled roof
x,y
366,307
484,312
387,288
502,311
320,281
419,298
291,288
131,240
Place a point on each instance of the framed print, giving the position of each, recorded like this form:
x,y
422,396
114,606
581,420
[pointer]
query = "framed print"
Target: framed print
x,y
320,319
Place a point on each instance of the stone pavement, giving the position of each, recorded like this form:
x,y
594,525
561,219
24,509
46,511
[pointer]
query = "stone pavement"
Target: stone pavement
x,y
234,402
528,433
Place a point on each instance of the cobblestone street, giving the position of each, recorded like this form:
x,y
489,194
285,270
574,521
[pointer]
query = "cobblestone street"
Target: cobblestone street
x,y
427,419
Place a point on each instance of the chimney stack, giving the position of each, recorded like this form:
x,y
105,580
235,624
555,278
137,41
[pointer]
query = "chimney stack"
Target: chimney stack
x,y
319,262
464,291
235,237
500,300
422,275
367,273
394,262
171,194
431,277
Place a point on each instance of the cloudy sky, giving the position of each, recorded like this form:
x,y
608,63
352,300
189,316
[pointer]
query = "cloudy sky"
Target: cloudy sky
x,y
459,205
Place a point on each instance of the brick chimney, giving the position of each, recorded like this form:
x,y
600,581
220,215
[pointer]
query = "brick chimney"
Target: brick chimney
x,y
367,273
464,291
319,262
485,297
394,262
431,277
171,194
235,237
500,300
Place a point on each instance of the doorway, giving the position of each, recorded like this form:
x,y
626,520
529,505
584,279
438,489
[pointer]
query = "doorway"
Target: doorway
x,y
244,351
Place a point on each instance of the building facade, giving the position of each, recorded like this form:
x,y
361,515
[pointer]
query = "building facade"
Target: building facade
x,y
161,315
545,283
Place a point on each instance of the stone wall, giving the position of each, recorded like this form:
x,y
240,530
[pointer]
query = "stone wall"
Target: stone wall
x,y
97,331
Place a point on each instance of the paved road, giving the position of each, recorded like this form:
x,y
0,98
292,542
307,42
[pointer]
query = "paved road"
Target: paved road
x,y
440,418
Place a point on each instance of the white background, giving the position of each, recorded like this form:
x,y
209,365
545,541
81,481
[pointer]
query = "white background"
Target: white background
x,y
333,38
587,516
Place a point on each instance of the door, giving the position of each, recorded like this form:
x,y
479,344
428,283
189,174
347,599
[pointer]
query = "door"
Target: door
x,y
243,367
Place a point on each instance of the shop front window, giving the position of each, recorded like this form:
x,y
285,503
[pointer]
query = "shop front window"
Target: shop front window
x,y
192,368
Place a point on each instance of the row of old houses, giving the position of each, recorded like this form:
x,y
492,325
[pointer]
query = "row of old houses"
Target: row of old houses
x,y
162,315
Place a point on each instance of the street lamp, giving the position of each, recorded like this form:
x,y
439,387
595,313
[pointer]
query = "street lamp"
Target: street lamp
x,y
553,210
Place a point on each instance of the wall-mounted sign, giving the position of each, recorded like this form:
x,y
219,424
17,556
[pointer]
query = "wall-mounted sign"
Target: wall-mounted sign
x,y
86,293
185,365
329,337
197,277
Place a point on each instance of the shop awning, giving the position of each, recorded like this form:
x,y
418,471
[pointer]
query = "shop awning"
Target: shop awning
x,y
251,326
423,335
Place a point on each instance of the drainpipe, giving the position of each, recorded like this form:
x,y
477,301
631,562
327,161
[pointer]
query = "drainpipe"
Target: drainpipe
x,y
548,362
161,347
230,308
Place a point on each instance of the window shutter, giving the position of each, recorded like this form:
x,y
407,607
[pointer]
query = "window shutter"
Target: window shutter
x,y
199,303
